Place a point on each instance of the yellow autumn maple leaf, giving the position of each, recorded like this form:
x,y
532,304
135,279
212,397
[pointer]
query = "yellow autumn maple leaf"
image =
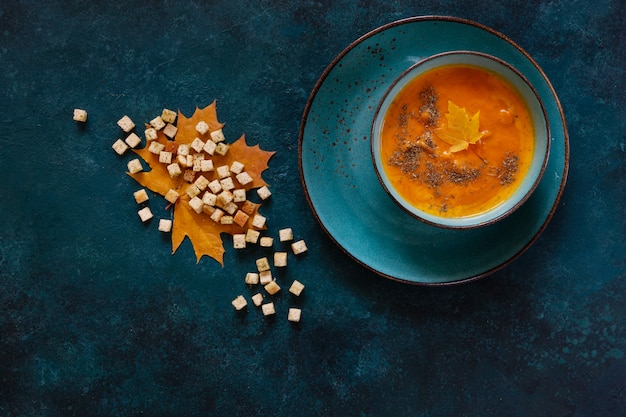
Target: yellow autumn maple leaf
x,y
204,233
461,129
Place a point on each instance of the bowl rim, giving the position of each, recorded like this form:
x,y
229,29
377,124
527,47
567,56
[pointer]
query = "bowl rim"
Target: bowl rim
x,y
449,223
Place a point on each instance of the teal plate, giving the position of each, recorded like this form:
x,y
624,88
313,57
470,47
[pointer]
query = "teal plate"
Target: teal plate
x,y
340,182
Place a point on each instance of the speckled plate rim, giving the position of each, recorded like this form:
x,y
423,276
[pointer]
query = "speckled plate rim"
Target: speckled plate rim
x,y
364,261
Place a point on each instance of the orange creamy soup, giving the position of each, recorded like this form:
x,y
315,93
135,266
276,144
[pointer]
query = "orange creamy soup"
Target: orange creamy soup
x,y
421,165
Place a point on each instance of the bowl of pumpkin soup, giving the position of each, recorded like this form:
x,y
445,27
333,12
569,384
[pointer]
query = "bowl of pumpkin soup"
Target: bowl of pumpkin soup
x,y
460,140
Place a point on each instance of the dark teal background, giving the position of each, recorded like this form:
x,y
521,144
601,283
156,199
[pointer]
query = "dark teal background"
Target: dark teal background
x,y
97,318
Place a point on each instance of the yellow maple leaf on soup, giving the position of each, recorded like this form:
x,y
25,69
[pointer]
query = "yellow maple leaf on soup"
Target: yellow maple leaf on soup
x,y
461,129
200,228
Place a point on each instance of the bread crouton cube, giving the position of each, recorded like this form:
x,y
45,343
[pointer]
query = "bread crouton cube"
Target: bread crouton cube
x,y
239,241
201,182
182,160
170,130
209,198
141,196
257,299
244,178
264,192
240,218
196,204
299,247
197,165
209,147
226,219
134,166
150,134
224,198
262,264
268,309
192,191
252,236
165,225
266,242
202,127
157,123
236,167
171,196
239,303
217,215
239,195
227,183
248,207
294,315
215,186
174,170
272,287
206,165
168,116
145,214
120,147
156,147
189,175
222,171
259,221
126,124
285,235
231,208
221,149
252,278
296,288
217,136
265,277
183,149
197,144
280,259
80,115
165,157
209,210
132,140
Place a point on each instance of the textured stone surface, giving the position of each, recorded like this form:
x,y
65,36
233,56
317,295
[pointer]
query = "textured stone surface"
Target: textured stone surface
x,y
98,318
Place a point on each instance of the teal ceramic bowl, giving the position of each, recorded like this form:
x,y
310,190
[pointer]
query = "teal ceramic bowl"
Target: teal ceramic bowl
x,y
540,126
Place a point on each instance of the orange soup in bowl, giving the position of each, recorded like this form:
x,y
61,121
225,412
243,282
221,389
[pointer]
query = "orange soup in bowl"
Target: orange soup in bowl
x,y
457,141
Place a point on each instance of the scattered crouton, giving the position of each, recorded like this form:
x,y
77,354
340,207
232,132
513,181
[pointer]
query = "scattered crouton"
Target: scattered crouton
x,y
80,115
239,303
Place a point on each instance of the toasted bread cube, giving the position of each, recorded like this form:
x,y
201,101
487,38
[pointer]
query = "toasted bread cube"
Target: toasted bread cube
x,y
280,259
266,242
145,214
165,225
168,116
156,147
218,136
181,160
202,127
265,277
258,221
174,170
272,287
227,183
215,187
222,171
209,198
192,191
231,208
183,149
165,157
217,215
262,264
209,147
132,140
196,204
209,210
206,165
171,196
201,182
221,149
285,235
157,123
120,147
189,175
257,299
239,241
264,192
150,134
80,115
224,198
244,178
248,207
170,130
268,309
252,278
226,220
296,288
240,218
134,166
236,167
299,247
294,315
141,196
126,124
239,195
252,236
197,165
239,303
197,145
